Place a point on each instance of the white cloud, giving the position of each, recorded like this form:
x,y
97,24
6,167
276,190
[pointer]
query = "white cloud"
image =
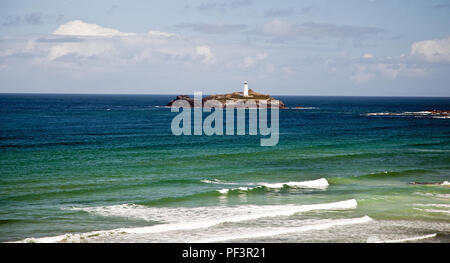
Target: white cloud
x,y
159,34
368,56
437,50
362,74
397,70
12,49
80,28
82,49
366,72
216,28
277,28
252,61
119,47
205,53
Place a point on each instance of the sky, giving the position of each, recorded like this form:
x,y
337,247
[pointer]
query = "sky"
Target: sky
x,y
284,47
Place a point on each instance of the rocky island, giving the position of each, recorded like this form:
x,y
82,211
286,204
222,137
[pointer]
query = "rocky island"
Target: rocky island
x,y
233,99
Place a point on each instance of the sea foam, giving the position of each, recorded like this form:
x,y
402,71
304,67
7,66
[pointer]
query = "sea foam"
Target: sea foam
x,y
375,240
288,230
313,184
217,181
178,219
319,183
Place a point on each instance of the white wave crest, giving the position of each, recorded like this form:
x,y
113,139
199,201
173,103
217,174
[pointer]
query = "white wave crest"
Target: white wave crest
x,y
216,181
434,210
442,196
434,205
176,219
223,191
302,108
375,240
433,114
377,114
315,184
241,189
319,183
276,232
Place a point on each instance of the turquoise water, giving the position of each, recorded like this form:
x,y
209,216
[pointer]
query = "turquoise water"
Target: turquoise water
x,y
106,168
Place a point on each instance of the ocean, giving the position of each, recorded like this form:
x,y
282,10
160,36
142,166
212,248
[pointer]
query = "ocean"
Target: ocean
x,y
106,168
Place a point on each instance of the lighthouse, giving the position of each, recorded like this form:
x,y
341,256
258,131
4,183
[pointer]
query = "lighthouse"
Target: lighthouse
x,y
245,89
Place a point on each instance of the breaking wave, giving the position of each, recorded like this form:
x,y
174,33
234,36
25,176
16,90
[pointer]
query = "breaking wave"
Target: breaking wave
x,y
288,230
439,196
313,184
303,108
216,181
376,240
179,219
432,114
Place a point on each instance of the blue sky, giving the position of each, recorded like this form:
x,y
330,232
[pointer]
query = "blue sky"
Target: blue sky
x,y
346,47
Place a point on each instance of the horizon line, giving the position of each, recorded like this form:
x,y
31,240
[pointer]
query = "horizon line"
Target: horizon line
x,y
177,94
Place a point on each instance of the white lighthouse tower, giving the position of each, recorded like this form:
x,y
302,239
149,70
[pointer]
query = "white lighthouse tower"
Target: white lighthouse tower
x,y
245,89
